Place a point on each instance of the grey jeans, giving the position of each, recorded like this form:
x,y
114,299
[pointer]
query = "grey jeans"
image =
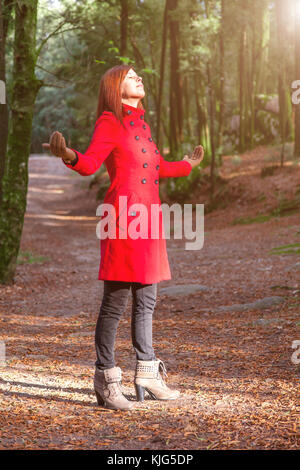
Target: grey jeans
x,y
114,302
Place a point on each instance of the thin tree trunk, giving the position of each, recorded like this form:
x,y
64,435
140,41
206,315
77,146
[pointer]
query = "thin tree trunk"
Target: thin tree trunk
x,y
222,76
187,96
123,25
212,133
242,88
297,76
263,47
15,182
162,73
176,85
211,118
281,73
5,16
252,72
200,114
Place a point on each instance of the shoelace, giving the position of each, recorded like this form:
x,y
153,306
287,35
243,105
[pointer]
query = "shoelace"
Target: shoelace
x,y
115,389
162,367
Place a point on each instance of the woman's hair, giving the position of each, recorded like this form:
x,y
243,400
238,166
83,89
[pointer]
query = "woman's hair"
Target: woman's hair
x,y
110,91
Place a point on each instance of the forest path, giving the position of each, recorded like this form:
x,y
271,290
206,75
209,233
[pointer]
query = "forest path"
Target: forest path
x,y
229,355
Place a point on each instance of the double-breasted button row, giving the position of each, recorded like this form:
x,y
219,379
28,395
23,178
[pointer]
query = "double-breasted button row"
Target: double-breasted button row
x,y
145,181
132,122
137,137
146,164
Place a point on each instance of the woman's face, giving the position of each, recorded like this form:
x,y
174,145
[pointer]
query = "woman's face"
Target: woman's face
x,y
132,86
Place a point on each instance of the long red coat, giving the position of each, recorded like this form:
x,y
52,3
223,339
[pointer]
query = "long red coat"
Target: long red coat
x,y
134,165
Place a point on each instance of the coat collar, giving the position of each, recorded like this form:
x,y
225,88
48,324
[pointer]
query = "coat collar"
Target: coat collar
x,y
132,111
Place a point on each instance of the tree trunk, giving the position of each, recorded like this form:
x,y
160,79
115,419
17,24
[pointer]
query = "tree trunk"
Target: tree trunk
x,y
211,117
162,73
263,28
255,11
123,25
15,181
222,76
176,84
212,133
201,117
242,88
297,77
187,110
5,15
280,11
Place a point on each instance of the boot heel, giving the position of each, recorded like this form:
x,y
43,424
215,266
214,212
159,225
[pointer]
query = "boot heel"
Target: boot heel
x,y
100,400
140,392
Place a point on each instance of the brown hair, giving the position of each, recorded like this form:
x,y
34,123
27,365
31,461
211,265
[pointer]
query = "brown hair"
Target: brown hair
x,y
109,91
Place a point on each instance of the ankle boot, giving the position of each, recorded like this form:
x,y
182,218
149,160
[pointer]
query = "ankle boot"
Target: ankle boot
x,y
107,384
147,377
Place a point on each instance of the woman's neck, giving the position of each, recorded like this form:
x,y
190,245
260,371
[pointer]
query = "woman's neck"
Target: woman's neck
x,y
131,101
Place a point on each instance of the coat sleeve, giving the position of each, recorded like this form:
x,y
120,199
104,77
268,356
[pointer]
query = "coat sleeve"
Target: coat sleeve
x,y
178,168
103,141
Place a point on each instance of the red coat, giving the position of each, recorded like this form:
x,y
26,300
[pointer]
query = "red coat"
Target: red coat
x,y
134,165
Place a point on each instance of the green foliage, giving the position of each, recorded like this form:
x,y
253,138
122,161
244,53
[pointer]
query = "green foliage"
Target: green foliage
x,y
27,257
287,206
284,208
292,248
251,220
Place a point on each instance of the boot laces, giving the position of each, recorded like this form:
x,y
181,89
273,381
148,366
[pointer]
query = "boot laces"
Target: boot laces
x,y
162,367
115,389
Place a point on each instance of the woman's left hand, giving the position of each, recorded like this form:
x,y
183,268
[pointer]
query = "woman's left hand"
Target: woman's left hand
x,y
196,157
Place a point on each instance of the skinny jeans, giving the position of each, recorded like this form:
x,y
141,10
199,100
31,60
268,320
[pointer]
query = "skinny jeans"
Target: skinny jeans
x,y
114,303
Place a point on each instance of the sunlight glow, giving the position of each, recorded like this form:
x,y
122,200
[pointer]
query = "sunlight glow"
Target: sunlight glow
x,y
296,9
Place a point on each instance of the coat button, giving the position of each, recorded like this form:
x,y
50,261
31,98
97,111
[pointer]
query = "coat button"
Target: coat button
x,y
156,151
144,180
129,112
157,167
144,126
142,117
131,123
150,139
156,181
145,165
137,137
144,150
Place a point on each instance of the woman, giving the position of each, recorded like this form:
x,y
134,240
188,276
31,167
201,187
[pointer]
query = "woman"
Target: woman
x,y
122,140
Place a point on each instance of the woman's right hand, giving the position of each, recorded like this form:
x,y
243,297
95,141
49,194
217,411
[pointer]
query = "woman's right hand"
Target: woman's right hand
x,y
57,145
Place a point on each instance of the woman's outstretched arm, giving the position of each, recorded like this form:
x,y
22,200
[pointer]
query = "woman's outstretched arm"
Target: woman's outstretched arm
x,y
181,167
173,169
103,141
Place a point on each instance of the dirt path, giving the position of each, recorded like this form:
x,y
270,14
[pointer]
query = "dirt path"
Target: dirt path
x,y
239,386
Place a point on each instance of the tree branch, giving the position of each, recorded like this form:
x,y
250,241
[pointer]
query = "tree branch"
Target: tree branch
x,y
51,73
